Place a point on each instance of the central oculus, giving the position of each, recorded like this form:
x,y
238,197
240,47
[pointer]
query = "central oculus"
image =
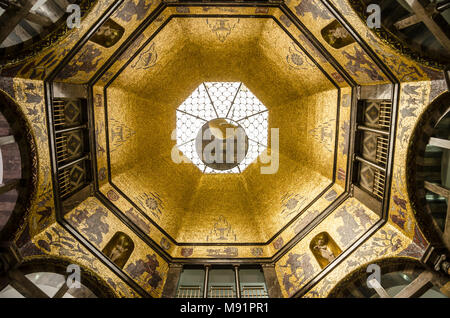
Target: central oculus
x,y
222,127
222,144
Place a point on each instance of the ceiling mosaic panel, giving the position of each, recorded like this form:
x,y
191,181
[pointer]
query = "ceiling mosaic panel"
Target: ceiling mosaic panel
x,y
303,61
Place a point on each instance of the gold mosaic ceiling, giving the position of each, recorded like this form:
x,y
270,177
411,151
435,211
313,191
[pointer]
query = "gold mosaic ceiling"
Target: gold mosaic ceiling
x,y
303,79
143,99
175,211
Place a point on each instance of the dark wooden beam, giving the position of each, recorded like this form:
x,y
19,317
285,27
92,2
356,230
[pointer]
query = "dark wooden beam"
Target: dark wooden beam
x,y
413,19
12,17
441,143
425,17
173,276
75,199
438,189
446,234
368,200
4,281
39,19
354,290
24,286
9,186
417,287
379,289
61,291
272,283
407,22
6,140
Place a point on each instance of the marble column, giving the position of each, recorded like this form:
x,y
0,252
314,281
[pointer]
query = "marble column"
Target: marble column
x,y
272,283
173,276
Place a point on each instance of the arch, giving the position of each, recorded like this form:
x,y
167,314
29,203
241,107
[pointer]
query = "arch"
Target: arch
x,y
45,33
396,39
395,274
91,284
26,185
415,167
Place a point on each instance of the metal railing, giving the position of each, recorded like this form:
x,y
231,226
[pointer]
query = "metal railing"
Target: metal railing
x,y
379,163
254,292
385,114
58,113
378,184
382,150
221,292
64,126
61,149
64,182
189,292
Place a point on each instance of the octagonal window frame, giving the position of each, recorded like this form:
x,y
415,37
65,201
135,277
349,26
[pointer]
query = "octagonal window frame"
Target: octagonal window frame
x,y
207,106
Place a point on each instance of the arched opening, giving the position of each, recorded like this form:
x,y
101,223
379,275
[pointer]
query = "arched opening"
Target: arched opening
x,y
52,278
428,165
393,277
18,173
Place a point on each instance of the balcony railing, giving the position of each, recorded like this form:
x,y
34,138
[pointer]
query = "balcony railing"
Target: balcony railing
x,y
189,292
221,292
254,292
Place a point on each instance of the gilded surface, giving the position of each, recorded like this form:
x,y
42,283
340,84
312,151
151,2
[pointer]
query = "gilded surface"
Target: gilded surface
x,y
386,242
141,166
345,225
98,225
191,207
56,242
28,94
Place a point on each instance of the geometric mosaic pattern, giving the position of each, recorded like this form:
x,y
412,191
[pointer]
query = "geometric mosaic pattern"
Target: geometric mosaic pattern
x,y
72,113
367,175
77,175
372,114
369,146
74,144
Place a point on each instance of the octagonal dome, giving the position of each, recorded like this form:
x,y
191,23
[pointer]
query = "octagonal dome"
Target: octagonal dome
x,y
294,73
142,109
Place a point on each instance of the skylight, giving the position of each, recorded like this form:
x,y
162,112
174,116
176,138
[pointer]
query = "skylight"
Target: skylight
x,y
222,114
